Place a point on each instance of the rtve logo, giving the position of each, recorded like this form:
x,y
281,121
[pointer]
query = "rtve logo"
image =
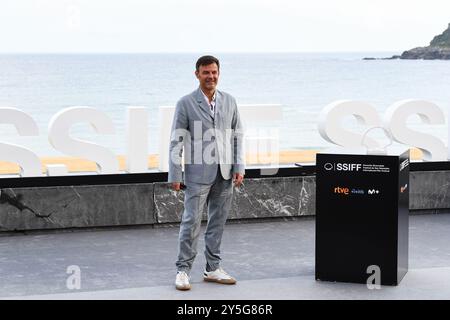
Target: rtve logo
x,y
342,166
341,190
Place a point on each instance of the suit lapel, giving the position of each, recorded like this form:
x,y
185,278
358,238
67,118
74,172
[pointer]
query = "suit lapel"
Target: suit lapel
x,y
202,103
218,105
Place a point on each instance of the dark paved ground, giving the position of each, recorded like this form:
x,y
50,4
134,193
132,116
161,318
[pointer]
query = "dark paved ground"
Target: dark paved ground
x,y
271,260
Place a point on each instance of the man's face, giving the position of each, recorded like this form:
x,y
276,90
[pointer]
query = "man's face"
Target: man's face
x,y
208,76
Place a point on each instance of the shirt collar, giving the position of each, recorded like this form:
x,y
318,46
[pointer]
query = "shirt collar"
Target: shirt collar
x,y
213,100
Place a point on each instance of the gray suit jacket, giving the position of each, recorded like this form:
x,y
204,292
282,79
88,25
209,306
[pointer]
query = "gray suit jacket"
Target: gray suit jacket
x,y
207,141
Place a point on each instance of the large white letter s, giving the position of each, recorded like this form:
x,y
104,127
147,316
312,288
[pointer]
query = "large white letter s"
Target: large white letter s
x,y
60,139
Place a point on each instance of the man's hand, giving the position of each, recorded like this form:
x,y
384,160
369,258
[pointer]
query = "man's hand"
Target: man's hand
x,y
237,179
176,186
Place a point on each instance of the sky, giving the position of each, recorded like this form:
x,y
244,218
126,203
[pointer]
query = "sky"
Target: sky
x,y
117,26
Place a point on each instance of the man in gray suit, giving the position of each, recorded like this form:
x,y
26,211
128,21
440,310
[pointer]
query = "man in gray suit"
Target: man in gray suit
x,y
207,126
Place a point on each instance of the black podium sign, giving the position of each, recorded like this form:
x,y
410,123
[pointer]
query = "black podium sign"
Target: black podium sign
x,y
362,207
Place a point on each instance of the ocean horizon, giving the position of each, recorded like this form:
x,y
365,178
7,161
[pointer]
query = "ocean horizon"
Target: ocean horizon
x,y
303,83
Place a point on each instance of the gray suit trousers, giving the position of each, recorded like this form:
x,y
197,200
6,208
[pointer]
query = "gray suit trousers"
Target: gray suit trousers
x,y
217,197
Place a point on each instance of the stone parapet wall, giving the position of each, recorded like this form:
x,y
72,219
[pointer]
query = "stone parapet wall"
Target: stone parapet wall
x,y
38,208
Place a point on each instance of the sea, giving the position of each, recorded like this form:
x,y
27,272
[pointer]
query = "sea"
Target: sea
x,y
302,83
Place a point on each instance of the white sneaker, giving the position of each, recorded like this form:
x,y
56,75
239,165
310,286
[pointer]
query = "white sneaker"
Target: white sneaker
x,y
182,281
219,276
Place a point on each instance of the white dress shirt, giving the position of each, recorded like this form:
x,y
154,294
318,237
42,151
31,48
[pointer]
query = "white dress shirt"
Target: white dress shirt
x,y
212,104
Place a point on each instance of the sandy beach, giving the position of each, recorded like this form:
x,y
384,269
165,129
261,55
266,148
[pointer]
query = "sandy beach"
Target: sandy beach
x,y
82,165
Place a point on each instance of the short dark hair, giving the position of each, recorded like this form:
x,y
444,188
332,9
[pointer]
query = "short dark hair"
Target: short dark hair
x,y
206,61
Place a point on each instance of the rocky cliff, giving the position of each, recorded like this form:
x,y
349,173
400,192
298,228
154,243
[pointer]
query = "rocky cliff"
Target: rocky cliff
x,y
439,49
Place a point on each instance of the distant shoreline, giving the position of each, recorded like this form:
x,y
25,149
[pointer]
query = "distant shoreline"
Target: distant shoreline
x,y
439,49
